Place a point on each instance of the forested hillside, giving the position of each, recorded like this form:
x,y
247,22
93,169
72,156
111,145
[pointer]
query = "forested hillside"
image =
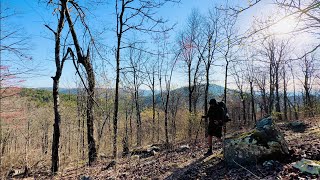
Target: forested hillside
x,y
135,89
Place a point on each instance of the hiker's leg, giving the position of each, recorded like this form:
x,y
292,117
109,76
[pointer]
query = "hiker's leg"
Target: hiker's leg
x,y
209,152
220,134
209,142
209,138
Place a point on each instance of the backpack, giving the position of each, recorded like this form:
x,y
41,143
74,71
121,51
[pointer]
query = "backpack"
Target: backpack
x,y
223,106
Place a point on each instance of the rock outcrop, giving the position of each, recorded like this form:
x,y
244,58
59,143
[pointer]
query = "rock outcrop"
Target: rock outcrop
x,y
263,143
297,126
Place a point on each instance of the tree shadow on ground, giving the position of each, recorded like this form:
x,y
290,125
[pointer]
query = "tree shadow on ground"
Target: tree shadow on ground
x,y
211,167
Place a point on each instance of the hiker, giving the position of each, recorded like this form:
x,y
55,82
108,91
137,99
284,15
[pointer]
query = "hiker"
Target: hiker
x,y
216,119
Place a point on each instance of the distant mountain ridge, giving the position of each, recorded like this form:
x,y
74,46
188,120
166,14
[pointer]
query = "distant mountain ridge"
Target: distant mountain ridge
x,y
61,90
213,89
143,92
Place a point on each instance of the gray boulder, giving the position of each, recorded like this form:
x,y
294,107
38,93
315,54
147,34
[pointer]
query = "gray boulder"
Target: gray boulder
x,y
265,142
297,126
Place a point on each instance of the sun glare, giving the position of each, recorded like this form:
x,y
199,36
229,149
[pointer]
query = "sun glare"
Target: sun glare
x,y
284,26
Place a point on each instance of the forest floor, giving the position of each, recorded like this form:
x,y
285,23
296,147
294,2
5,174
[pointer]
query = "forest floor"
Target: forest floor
x,y
190,163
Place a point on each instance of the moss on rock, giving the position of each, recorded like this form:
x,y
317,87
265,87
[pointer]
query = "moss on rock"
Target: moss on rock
x,y
263,143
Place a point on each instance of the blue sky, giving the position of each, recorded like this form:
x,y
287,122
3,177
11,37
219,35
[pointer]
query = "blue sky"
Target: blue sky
x,y
32,15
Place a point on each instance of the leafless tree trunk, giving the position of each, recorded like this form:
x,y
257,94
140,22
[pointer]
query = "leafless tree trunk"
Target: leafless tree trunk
x,y
278,109
253,109
138,113
85,61
151,85
165,71
165,96
271,91
308,69
275,51
135,78
295,108
119,32
55,90
135,63
230,39
158,126
285,96
260,80
239,79
125,140
106,118
81,121
45,128
173,108
132,15
188,42
5,141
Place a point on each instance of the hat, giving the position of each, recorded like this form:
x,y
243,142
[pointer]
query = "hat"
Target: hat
x,y
212,101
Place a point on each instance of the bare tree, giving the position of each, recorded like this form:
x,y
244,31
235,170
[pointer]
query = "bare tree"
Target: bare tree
x,y
229,42
261,81
240,82
285,94
188,42
85,61
294,104
45,136
165,76
82,59
275,53
132,15
81,119
250,74
308,68
55,90
106,118
174,103
135,78
151,83
207,50
128,117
